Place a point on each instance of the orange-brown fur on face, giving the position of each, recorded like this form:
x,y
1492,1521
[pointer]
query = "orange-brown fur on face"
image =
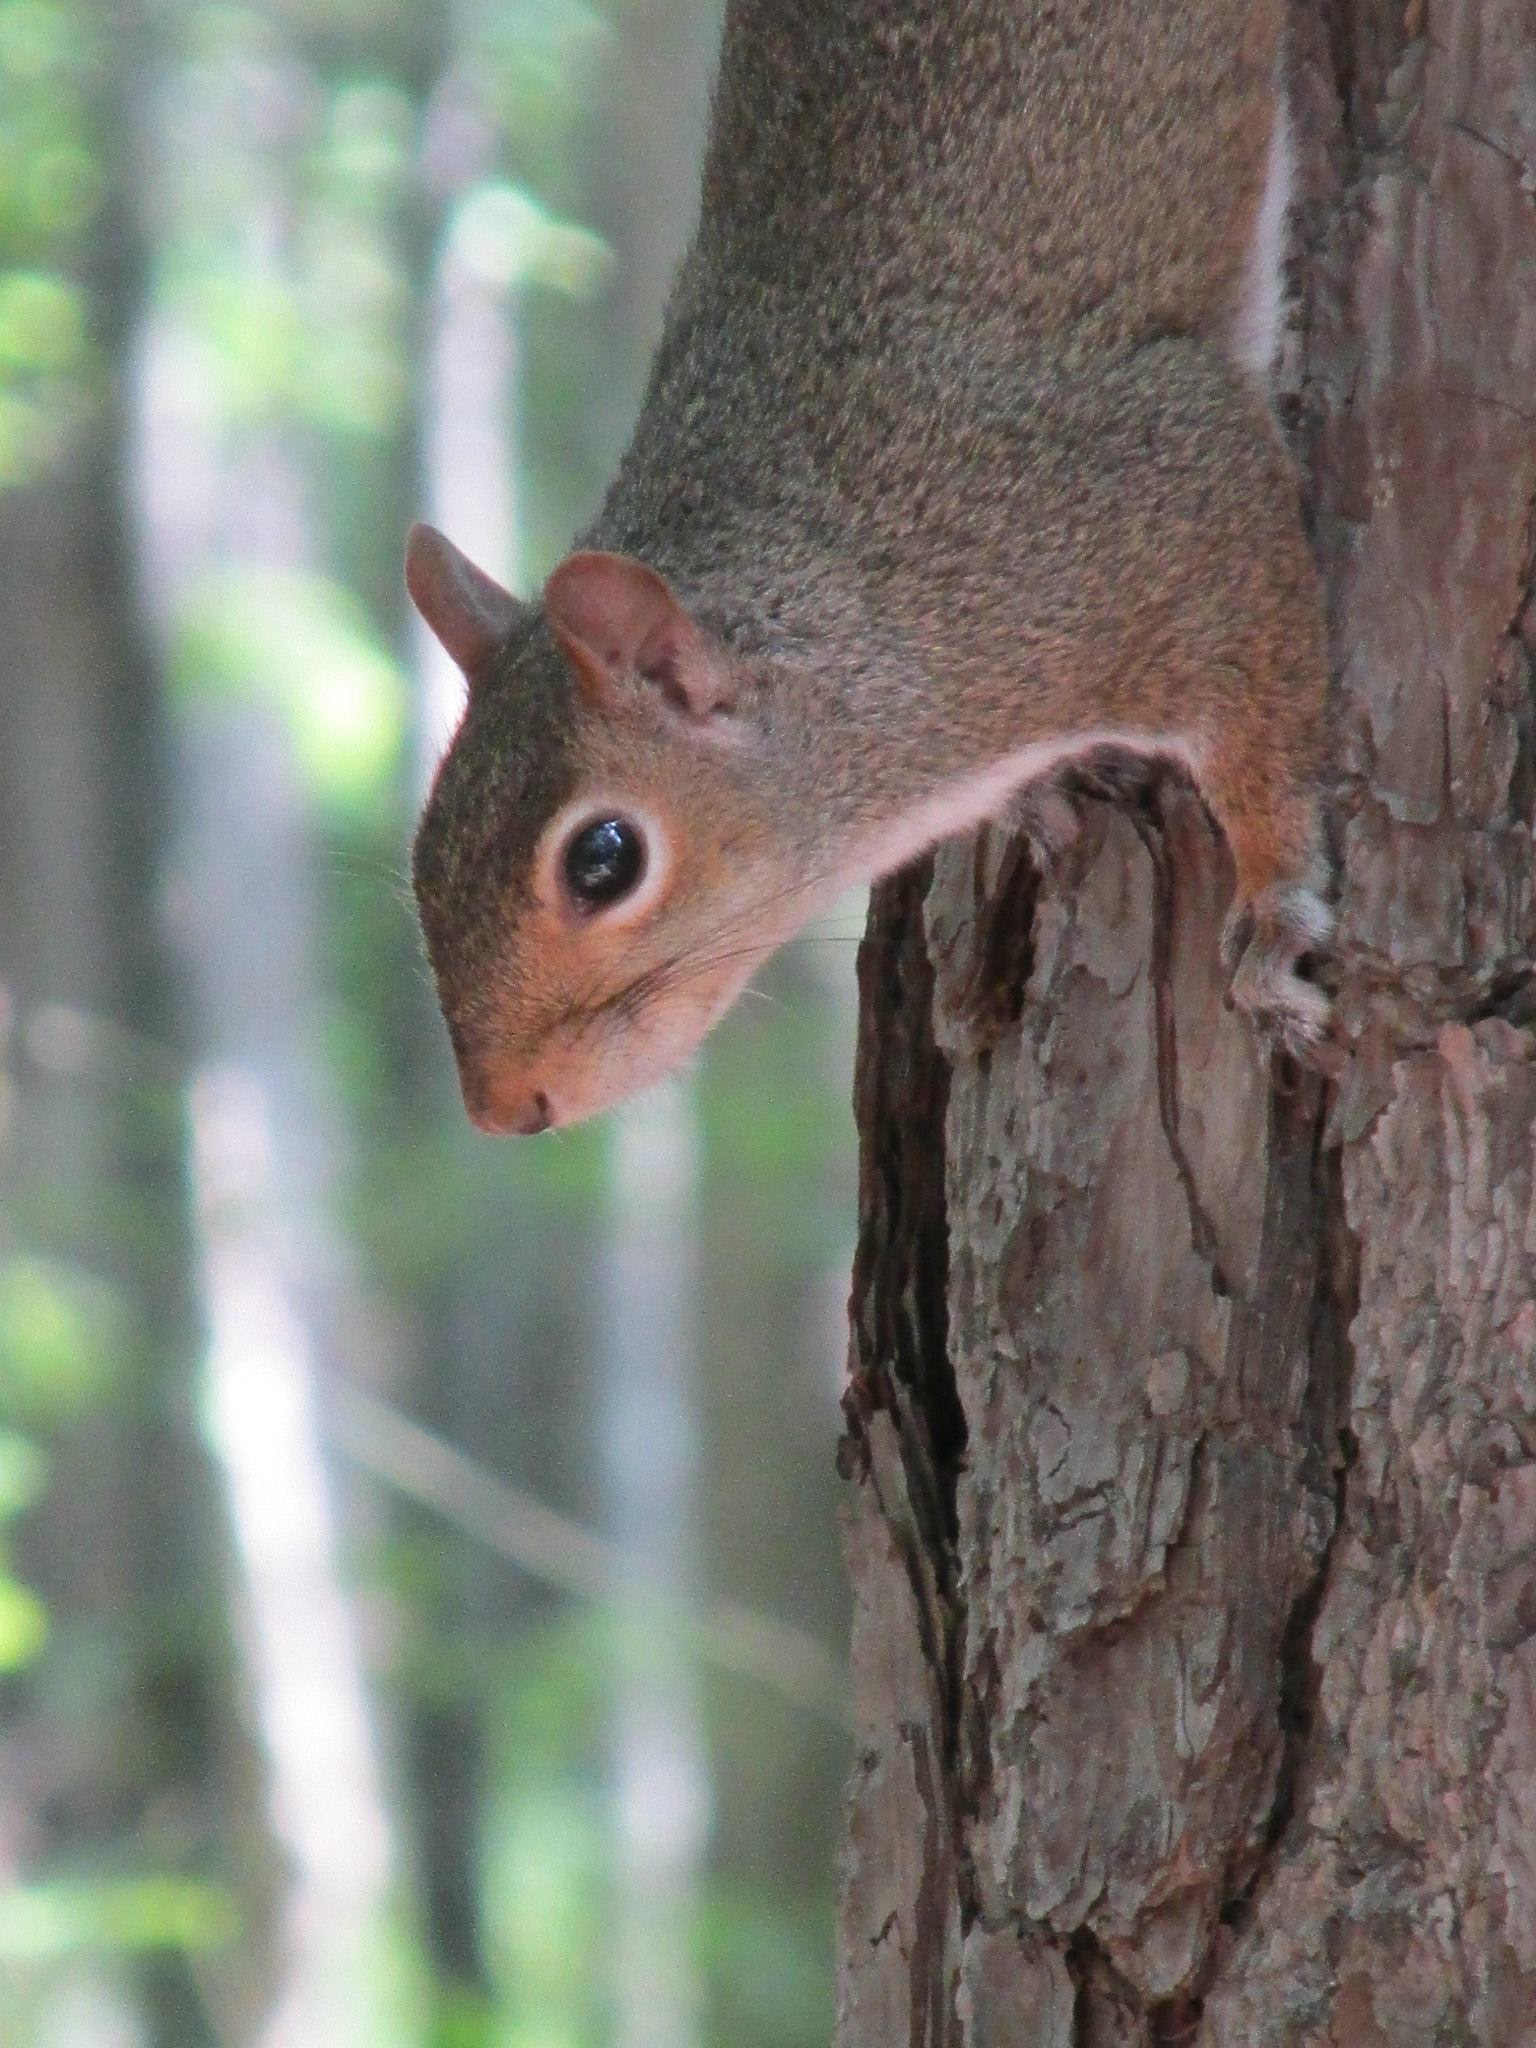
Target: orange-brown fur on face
x,y
540,997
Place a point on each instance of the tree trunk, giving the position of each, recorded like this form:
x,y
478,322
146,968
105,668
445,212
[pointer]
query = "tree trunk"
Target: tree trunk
x,y
123,1756
1192,1432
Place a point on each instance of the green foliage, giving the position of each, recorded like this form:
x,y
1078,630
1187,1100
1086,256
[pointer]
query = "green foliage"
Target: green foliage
x,y
62,1342
445,1196
51,186
543,64
61,1339
23,1618
463,2019
42,324
47,1921
774,1145
545,1839
23,1473
506,237
307,165
352,293
769,1959
305,646
544,1877
23,1622
312,331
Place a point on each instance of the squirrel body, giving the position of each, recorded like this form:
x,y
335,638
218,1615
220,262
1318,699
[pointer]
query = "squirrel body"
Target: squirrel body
x,y
955,464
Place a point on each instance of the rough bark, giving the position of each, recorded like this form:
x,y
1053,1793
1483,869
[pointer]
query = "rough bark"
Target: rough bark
x,y
1192,1429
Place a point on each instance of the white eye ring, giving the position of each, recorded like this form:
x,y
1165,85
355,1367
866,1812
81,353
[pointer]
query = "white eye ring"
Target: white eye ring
x,y
630,898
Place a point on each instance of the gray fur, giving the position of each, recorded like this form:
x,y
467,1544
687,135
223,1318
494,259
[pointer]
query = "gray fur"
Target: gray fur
x,y
945,446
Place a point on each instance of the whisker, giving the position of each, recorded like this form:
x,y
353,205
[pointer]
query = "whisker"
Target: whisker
x,y
590,1010
763,995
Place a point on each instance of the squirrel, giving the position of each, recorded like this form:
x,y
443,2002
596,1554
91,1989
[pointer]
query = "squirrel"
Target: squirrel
x,y
956,464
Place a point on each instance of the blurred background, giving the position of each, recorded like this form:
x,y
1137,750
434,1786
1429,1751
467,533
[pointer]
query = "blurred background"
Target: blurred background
x,y
420,1612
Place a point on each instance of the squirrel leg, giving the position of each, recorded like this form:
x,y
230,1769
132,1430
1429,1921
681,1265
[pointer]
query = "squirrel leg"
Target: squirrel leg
x,y
1278,912
1045,814
1047,811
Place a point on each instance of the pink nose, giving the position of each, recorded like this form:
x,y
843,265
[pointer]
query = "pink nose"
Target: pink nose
x,y
520,1115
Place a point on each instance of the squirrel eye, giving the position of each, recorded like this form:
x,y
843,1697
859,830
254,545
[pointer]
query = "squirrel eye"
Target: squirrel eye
x,y
603,862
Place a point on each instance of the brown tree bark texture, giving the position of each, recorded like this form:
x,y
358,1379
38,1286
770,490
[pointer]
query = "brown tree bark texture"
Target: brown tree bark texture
x,y
1191,1434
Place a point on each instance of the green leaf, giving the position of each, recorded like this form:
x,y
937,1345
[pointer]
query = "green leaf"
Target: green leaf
x,y
505,236
35,39
23,1474
306,646
41,1922
42,321
59,1338
23,1625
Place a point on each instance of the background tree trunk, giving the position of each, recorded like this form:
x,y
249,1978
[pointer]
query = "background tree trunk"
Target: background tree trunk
x,y
125,1749
1192,1433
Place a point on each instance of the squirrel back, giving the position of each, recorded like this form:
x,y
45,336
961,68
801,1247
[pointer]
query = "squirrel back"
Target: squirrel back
x,y
907,205
1088,169
952,464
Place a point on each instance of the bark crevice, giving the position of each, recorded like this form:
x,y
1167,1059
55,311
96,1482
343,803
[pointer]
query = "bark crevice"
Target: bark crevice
x,y
1202,1229
1233,1598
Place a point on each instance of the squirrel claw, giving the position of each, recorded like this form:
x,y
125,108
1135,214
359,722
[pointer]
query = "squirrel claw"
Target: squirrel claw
x,y
1261,945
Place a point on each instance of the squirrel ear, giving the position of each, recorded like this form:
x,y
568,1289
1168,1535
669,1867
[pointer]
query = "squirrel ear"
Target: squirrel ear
x,y
615,617
468,611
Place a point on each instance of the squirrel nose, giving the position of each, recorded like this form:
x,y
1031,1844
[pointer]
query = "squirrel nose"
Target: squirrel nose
x,y
536,1117
518,1116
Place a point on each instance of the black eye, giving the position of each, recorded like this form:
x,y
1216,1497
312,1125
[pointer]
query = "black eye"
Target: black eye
x,y
603,862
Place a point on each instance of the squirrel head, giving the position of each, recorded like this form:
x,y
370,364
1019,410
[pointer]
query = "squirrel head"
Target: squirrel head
x,y
602,861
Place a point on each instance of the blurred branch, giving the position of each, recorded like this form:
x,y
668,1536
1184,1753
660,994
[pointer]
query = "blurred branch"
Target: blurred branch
x,y
548,1546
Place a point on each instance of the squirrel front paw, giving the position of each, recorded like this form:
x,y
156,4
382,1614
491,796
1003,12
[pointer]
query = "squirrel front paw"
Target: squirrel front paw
x,y
1262,944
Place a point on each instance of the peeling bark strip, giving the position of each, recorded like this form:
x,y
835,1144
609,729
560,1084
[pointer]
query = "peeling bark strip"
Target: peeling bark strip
x,y
1192,1429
